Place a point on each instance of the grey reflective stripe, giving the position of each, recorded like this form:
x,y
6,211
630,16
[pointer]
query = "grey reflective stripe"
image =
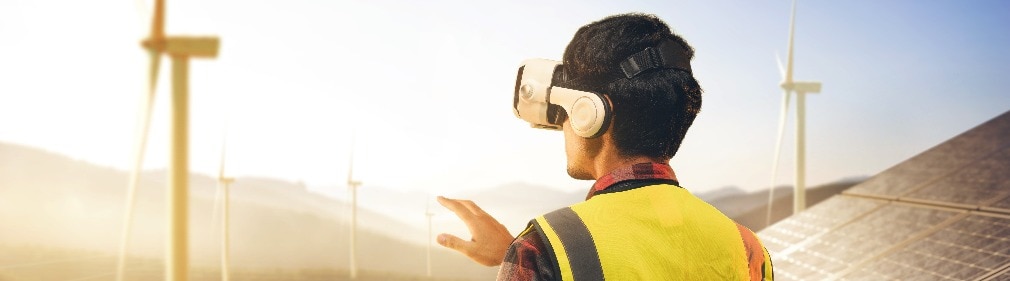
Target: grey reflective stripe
x,y
578,244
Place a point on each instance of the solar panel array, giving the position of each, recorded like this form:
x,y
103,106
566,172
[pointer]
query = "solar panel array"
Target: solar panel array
x,y
942,215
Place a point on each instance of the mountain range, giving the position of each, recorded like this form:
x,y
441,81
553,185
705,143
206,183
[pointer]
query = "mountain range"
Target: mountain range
x,y
50,201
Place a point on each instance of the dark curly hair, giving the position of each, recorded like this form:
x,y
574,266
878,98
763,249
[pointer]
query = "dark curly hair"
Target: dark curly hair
x,y
654,109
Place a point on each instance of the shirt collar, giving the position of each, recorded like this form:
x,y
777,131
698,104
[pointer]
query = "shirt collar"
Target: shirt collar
x,y
638,171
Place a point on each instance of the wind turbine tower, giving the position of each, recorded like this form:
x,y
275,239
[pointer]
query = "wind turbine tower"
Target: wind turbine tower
x,y
180,49
352,185
801,88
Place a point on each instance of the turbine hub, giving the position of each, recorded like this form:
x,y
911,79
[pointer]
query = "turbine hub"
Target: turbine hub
x,y
154,44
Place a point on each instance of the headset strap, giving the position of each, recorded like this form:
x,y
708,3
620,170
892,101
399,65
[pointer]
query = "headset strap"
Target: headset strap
x,y
666,55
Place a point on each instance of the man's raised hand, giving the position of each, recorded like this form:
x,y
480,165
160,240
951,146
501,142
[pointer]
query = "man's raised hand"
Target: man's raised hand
x,y
490,238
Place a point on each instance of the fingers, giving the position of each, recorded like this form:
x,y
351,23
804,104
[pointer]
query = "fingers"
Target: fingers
x,y
452,242
490,238
457,206
474,209
472,221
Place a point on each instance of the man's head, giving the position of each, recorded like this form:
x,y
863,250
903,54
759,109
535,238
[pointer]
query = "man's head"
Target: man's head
x,y
651,111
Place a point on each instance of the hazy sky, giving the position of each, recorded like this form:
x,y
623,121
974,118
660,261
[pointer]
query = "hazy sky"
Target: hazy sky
x,y
428,85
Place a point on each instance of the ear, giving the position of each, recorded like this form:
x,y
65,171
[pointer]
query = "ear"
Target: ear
x,y
609,124
588,112
606,137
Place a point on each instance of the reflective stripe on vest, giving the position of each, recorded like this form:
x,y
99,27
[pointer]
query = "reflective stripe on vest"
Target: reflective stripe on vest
x,y
655,232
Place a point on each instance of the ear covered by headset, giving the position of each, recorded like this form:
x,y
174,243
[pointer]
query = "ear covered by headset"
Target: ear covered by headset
x,y
588,112
538,101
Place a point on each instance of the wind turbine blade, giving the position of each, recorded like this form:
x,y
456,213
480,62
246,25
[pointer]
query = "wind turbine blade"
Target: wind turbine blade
x,y
138,161
350,169
789,59
778,62
220,180
783,115
224,149
152,78
217,205
350,164
158,20
157,32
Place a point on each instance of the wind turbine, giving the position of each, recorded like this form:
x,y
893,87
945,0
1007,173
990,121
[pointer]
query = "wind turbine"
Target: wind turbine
x,y
428,214
801,88
180,49
353,186
222,185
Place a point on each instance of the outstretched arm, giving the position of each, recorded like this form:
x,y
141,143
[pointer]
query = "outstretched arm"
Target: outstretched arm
x,y
490,238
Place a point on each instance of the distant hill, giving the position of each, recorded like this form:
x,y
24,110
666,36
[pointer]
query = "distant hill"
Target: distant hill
x,y
515,204
50,201
720,193
751,210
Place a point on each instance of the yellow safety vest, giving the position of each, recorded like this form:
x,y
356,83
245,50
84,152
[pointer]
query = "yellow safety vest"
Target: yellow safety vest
x,y
651,232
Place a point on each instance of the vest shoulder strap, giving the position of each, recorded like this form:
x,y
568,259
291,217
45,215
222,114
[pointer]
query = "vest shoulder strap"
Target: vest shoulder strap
x,y
570,245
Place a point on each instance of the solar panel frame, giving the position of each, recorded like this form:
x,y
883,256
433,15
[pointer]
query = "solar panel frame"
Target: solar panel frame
x,y
1000,275
999,205
977,184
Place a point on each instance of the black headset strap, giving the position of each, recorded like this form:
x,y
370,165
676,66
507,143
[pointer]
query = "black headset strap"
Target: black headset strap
x,y
664,56
668,55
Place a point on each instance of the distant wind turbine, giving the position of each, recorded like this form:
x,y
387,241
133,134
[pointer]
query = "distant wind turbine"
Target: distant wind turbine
x,y
428,214
352,185
180,49
801,88
223,186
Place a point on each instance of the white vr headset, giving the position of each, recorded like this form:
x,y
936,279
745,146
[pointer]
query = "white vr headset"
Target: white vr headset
x,y
540,102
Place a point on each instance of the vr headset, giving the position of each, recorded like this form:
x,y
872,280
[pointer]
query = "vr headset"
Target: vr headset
x,y
540,99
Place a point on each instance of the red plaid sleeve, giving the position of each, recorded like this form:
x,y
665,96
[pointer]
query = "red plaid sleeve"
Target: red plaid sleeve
x,y
527,259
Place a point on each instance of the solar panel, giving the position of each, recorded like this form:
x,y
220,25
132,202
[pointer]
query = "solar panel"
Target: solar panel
x,y
976,184
817,220
940,160
970,248
892,227
836,251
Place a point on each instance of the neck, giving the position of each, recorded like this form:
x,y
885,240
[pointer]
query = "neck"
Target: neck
x,y
610,159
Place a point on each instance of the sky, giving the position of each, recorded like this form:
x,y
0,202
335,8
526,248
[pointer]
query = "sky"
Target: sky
x,y
420,91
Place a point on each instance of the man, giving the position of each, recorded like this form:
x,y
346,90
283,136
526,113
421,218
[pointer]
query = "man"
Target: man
x,y
636,222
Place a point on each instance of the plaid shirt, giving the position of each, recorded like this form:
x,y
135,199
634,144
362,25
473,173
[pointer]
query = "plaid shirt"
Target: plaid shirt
x,y
528,259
